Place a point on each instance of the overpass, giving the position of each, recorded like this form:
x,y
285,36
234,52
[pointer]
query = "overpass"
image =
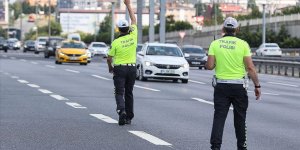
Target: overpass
x,y
206,36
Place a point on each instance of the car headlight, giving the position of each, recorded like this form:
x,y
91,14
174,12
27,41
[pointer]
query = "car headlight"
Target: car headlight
x,y
204,58
185,65
25,46
148,63
60,53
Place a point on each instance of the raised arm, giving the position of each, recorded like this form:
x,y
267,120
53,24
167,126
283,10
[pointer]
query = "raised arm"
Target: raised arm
x,y
131,13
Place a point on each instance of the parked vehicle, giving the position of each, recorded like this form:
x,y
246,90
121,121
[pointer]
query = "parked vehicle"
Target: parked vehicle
x,y
52,44
3,45
89,53
13,44
74,37
29,46
269,49
98,48
162,61
71,52
195,55
40,44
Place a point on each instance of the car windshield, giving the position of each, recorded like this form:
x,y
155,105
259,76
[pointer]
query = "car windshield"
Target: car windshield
x,y
193,50
99,45
164,51
54,42
272,45
72,45
75,38
42,40
30,42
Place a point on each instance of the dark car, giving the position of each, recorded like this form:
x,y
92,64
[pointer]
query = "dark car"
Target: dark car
x,y
3,45
29,46
195,55
51,45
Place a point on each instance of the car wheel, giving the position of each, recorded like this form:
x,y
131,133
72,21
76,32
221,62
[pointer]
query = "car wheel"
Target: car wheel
x,y
175,80
46,55
89,61
5,50
83,64
36,52
57,62
24,51
184,80
201,68
141,74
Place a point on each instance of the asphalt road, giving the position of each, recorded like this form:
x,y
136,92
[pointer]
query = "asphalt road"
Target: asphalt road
x,y
47,106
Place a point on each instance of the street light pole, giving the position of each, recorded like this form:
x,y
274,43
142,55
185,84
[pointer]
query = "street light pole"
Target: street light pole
x,y
151,21
162,15
140,4
112,21
264,24
49,21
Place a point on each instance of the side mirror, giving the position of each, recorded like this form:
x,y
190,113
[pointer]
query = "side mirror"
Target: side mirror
x,y
186,55
140,53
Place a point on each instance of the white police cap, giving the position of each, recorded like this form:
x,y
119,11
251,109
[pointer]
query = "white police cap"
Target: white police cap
x,y
123,23
230,23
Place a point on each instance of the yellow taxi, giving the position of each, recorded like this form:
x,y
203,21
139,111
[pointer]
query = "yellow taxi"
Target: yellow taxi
x,y
71,52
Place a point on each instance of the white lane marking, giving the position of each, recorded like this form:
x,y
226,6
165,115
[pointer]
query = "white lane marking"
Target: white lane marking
x,y
6,73
104,118
75,105
23,60
45,91
23,81
141,87
33,85
74,71
150,138
207,102
49,66
14,77
99,77
4,56
35,63
12,57
265,93
60,98
197,82
283,84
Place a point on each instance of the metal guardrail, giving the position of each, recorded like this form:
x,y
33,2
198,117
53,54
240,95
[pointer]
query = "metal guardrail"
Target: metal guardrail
x,y
283,58
286,68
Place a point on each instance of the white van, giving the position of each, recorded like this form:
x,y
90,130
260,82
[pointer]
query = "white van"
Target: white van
x,y
74,36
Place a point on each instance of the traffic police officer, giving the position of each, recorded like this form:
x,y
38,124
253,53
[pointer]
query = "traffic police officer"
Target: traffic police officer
x,y
121,63
231,59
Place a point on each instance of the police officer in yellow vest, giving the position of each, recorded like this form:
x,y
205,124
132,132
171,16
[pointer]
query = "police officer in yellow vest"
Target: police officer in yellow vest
x,y
121,62
231,59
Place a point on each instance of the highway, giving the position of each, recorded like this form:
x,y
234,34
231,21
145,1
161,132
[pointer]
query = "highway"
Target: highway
x,y
72,107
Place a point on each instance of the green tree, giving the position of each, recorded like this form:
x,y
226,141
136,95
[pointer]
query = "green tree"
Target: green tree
x,y
200,8
2,32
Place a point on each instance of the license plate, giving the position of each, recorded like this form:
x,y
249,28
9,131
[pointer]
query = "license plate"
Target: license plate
x,y
167,71
196,63
73,58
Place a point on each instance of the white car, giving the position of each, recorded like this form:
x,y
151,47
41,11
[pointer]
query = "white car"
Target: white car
x,y
98,48
40,44
162,61
269,49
